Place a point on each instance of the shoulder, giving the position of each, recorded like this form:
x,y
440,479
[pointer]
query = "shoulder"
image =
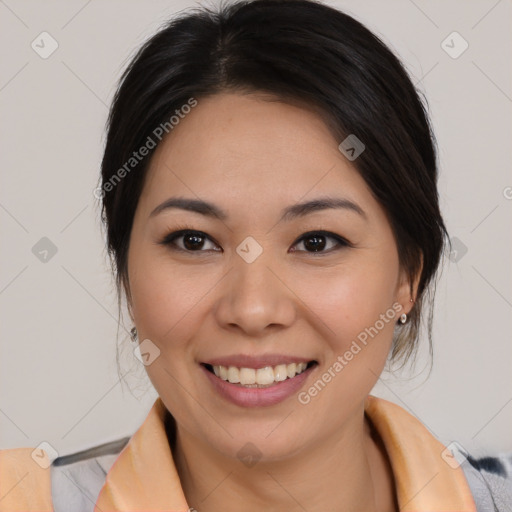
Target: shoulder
x,y
77,478
30,481
489,478
24,480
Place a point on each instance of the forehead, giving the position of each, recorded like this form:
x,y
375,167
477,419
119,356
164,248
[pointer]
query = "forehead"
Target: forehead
x,y
243,150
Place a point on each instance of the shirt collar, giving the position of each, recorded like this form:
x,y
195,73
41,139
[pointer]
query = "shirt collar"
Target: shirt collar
x,y
144,476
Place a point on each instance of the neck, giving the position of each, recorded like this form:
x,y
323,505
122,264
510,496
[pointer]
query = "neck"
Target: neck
x,y
346,471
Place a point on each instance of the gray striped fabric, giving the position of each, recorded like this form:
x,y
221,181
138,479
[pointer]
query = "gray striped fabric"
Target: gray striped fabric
x,y
78,478
490,480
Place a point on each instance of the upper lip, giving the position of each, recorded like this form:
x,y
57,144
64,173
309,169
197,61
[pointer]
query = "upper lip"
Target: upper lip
x,y
252,361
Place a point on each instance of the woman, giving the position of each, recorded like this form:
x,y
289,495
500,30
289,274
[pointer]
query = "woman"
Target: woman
x,y
269,195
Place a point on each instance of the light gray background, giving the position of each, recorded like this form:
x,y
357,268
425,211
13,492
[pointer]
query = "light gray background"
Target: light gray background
x,y
59,381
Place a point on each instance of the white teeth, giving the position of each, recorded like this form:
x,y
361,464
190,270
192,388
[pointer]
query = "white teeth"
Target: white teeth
x,y
247,376
265,375
233,375
280,373
261,377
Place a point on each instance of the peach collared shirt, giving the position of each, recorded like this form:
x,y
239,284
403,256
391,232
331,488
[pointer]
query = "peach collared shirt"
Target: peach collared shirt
x,y
144,476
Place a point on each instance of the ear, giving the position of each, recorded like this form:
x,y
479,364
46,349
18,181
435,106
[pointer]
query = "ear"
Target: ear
x,y
407,288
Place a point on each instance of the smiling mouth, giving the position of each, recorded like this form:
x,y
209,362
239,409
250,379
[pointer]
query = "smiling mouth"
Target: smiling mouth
x,y
261,377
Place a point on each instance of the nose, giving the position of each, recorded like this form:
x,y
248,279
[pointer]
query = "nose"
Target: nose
x,y
255,298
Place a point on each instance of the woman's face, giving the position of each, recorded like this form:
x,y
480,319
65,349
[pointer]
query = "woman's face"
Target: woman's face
x,y
250,291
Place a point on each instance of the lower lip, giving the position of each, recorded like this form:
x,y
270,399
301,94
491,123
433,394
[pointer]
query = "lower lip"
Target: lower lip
x,y
258,397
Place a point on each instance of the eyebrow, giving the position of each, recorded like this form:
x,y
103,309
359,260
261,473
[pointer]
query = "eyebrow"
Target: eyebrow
x,y
289,213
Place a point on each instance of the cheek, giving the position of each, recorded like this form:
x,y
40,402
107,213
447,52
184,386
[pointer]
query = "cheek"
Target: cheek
x,y
355,302
163,296
166,301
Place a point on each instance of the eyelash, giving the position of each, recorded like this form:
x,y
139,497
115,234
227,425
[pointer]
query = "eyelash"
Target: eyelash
x,y
169,240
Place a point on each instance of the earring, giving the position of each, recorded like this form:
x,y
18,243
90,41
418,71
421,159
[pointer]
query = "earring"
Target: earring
x,y
133,334
403,316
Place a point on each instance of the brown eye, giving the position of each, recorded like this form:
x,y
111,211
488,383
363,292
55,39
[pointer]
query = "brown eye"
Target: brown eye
x,y
317,241
196,241
193,242
189,241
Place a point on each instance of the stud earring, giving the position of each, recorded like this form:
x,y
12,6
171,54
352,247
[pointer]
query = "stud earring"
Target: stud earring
x,y
403,316
133,334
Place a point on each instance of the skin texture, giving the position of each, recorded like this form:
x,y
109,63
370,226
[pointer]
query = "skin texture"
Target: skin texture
x,y
252,158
